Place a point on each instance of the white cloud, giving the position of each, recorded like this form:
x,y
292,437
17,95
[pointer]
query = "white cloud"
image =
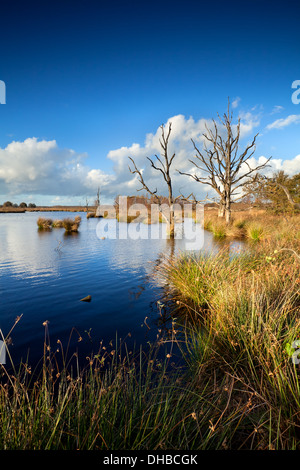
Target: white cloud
x,y
277,109
235,102
41,167
249,122
284,122
290,167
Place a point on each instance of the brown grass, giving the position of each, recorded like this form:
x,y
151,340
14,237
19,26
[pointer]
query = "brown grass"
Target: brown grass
x,y
253,225
44,223
57,223
71,225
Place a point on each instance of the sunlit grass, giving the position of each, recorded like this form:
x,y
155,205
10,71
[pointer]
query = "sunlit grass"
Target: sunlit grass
x,y
57,223
119,400
255,231
71,225
248,308
44,223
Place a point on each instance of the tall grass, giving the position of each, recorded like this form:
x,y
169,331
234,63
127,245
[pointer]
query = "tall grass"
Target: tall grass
x,y
218,229
253,226
118,401
249,315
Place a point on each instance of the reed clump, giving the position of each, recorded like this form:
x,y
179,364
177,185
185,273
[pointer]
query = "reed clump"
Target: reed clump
x,y
44,223
71,225
57,223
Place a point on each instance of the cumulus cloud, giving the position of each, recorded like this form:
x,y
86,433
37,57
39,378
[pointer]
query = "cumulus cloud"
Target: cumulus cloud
x,y
284,122
235,102
41,167
290,167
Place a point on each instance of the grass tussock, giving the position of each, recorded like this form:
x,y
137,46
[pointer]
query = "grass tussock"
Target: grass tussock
x,y
255,231
44,223
57,223
218,228
71,225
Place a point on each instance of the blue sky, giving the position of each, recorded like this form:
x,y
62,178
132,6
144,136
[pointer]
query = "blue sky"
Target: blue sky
x,y
87,80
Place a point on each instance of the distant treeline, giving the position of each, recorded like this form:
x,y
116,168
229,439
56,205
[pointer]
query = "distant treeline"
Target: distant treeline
x,y
22,204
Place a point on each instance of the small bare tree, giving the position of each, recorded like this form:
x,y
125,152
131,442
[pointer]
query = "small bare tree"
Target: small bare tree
x,y
97,200
163,165
222,166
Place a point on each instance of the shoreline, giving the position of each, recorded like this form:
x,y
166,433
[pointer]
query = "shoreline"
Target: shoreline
x,y
16,210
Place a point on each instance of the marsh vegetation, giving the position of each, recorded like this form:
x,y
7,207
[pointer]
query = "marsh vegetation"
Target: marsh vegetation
x,y
70,225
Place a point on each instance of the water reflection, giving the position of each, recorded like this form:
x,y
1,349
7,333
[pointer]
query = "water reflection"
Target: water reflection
x,y
21,252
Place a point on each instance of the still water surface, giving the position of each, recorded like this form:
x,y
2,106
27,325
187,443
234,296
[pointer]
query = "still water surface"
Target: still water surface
x,y
43,276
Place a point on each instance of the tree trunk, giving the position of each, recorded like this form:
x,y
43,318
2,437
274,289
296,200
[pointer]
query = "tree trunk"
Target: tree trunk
x,y
222,204
171,225
221,212
227,210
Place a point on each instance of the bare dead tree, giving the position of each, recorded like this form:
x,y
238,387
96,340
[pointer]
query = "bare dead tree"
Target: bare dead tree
x,y
163,165
221,165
